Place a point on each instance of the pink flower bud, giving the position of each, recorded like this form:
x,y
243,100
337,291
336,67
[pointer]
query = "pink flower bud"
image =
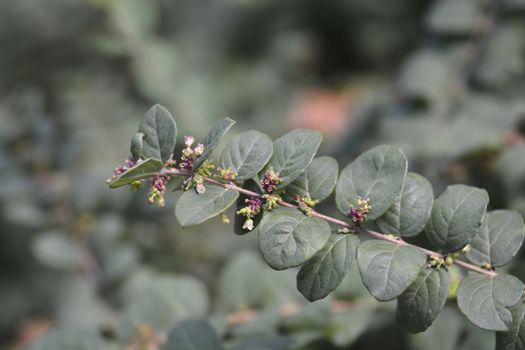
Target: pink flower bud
x,y
188,141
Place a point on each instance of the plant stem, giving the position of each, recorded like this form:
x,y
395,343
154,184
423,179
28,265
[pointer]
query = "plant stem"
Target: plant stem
x,y
375,234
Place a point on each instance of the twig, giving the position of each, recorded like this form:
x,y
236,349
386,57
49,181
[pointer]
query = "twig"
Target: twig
x,y
375,234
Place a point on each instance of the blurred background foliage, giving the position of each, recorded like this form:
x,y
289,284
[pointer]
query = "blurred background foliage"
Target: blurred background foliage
x,y
87,268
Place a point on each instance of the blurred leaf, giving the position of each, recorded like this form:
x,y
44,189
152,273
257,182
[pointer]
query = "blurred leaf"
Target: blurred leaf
x,y
264,343
388,269
485,300
498,240
293,152
240,283
444,333
378,175
247,154
68,339
478,339
135,18
458,17
318,180
288,238
423,300
410,212
58,251
192,335
345,327
325,270
456,217
212,139
146,169
193,208
160,133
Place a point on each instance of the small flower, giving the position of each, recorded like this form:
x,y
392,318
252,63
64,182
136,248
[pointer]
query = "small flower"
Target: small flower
x,y
200,188
228,174
158,187
271,201
270,180
248,224
359,213
199,150
188,141
121,169
224,218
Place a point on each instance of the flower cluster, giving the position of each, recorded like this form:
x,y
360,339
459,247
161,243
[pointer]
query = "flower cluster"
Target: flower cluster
x,y
270,180
252,208
228,174
190,154
158,184
306,203
359,213
188,157
121,169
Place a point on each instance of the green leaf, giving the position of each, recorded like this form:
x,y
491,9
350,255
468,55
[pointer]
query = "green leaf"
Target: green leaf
x,y
293,152
247,154
192,335
423,300
388,269
240,284
514,338
498,240
146,169
325,270
193,208
288,238
410,212
160,133
136,147
212,139
456,217
484,300
318,180
377,174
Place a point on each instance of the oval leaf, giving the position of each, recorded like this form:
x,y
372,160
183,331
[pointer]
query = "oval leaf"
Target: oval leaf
x,y
423,300
288,238
293,152
192,335
136,147
193,208
410,212
318,180
456,217
212,139
377,174
160,133
388,269
515,337
247,154
498,240
146,169
325,270
484,300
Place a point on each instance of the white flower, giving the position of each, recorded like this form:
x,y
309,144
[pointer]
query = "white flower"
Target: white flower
x,y
199,149
248,224
188,141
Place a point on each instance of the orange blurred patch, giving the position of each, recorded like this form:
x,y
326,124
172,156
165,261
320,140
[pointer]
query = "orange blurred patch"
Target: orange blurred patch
x,y
29,332
328,111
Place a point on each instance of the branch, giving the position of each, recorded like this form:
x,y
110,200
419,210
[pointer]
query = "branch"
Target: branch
x,y
375,234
